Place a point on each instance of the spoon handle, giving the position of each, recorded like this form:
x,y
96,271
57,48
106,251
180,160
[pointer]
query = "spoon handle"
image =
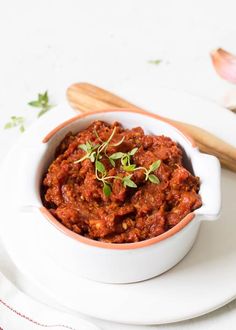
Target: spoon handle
x,y
86,97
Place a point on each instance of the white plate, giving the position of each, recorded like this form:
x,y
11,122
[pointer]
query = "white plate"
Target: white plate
x,y
202,282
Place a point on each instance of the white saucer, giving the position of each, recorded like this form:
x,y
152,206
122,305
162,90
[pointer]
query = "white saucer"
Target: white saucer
x,y
202,282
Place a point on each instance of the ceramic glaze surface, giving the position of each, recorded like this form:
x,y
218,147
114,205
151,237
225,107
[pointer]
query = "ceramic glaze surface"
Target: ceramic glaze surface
x,y
93,260
171,293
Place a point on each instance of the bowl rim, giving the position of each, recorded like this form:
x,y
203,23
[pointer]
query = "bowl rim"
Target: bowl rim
x,y
142,112
116,246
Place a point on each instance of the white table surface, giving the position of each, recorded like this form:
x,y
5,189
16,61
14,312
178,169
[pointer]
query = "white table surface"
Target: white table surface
x,y
51,44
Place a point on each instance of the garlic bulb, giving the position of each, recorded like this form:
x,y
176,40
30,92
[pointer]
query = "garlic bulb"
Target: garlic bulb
x,y
225,64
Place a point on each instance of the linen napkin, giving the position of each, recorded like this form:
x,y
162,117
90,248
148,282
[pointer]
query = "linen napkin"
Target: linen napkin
x,y
20,312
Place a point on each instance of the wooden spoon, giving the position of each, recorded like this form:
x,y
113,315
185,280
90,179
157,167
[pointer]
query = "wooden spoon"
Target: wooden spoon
x,y
86,97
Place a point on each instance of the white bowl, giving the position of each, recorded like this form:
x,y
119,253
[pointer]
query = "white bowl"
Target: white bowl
x,y
128,262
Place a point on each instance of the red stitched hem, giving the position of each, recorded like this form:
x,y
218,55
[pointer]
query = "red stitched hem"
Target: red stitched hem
x,y
33,321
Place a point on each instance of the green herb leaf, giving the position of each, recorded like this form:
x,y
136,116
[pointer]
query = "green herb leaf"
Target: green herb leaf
x,y
42,103
89,145
44,97
117,155
100,167
96,152
106,190
112,162
154,166
16,122
8,125
133,151
127,182
129,168
22,129
156,62
44,110
124,161
153,178
83,147
90,152
36,104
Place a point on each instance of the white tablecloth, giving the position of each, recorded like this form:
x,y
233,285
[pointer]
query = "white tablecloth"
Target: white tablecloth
x,y
50,44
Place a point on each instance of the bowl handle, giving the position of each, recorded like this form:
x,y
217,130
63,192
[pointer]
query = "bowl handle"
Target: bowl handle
x,y
29,177
209,171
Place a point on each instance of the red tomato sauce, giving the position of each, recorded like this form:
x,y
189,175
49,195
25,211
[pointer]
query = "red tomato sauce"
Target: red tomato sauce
x,y
72,189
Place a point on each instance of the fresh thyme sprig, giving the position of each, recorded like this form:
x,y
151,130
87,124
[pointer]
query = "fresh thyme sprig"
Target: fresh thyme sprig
x,y
113,145
16,122
149,172
126,181
124,158
100,168
96,152
90,152
128,167
42,103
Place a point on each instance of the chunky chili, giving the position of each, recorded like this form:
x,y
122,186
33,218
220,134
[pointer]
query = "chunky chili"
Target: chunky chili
x,y
119,185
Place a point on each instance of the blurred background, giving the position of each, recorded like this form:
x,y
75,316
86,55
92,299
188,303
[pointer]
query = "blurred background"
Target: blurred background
x,y
51,44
